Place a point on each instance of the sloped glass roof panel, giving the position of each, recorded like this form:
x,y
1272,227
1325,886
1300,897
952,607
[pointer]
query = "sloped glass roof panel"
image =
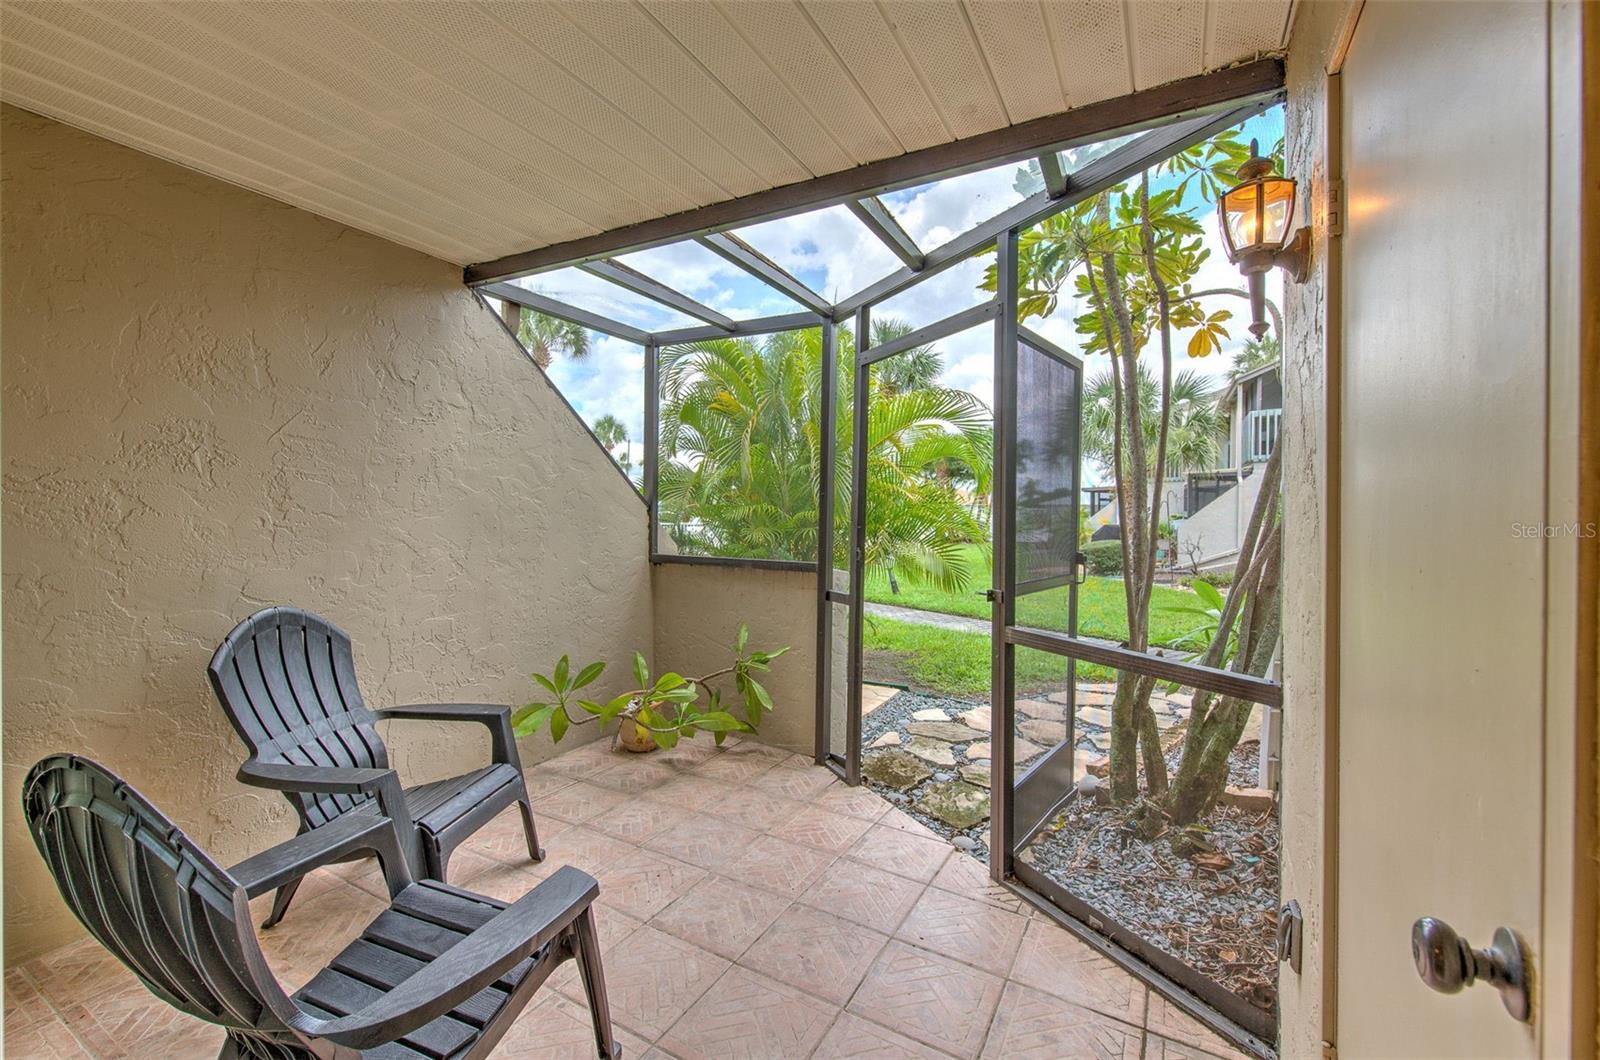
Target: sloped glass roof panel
x,y
1078,157
711,280
828,250
937,212
578,288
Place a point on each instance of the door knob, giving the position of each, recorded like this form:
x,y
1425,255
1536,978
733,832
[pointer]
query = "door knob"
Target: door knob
x,y
1447,962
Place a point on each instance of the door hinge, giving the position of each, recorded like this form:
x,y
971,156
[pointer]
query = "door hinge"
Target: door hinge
x,y
1330,1051
1336,208
1291,925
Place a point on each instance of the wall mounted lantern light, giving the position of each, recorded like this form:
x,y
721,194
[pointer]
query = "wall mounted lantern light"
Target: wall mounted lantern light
x,y
1256,215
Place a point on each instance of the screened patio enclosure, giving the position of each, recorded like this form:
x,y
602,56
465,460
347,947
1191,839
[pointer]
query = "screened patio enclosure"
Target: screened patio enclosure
x,y
815,367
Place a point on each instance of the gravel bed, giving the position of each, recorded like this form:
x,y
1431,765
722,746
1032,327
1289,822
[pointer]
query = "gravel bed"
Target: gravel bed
x,y
1220,921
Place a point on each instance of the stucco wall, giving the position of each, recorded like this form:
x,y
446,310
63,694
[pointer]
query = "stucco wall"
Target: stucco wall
x,y
698,612
214,402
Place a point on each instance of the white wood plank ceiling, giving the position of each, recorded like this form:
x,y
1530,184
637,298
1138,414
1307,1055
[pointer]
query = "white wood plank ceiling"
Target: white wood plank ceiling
x,y
473,129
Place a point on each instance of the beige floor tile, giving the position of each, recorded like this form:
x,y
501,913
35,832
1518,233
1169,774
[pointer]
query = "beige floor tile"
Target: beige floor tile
x,y
613,928
777,865
691,791
645,882
653,979
747,1015
543,780
554,1027
852,802
1052,959
853,1038
107,1012
644,817
864,895
821,829
26,1008
578,802
702,840
721,915
901,852
1179,1029
965,875
760,810
737,769
585,761
312,934
793,782
815,952
897,818
1031,1025
932,999
642,774
977,934
48,1040
503,839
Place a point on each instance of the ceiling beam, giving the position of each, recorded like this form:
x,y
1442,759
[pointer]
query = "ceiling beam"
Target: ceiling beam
x,y
763,268
872,213
1107,171
655,290
1055,178
1085,124
510,292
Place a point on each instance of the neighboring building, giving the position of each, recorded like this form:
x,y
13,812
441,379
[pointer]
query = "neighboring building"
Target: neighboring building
x,y
1219,500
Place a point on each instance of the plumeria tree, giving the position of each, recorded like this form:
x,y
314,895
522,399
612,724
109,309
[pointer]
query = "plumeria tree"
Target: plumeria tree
x,y
1131,255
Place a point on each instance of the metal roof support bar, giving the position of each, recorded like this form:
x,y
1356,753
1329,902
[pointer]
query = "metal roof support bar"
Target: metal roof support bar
x,y
872,213
655,290
1055,178
754,326
1104,172
939,329
763,268
1085,124
510,292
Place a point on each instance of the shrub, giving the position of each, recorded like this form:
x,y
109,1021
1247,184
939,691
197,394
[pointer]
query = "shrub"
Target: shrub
x,y
1104,557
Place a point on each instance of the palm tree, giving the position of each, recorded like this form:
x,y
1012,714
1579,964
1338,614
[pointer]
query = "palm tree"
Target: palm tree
x,y
741,458
1257,353
1194,433
545,336
914,369
613,433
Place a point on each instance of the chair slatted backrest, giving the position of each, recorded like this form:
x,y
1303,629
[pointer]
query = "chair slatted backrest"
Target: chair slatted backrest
x,y
287,681
153,898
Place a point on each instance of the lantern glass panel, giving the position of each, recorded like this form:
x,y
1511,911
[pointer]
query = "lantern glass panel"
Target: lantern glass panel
x,y
1257,214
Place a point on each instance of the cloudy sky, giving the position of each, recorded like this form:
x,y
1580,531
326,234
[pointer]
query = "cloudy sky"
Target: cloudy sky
x,y
835,255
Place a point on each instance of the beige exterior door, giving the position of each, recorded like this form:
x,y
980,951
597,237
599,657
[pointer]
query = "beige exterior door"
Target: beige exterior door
x,y
1443,636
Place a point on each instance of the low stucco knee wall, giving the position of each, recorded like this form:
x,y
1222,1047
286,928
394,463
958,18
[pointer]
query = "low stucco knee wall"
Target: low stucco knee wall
x,y
698,613
214,402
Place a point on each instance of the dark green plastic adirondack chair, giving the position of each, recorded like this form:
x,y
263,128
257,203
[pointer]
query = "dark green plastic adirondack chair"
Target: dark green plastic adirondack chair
x,y
287,681
441,973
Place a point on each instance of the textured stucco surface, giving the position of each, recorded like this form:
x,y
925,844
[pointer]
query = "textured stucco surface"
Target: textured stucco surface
x,y
214,402
1305,449
698,612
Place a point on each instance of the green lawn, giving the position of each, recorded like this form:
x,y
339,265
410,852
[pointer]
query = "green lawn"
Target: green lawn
x,y
1102,611
953,662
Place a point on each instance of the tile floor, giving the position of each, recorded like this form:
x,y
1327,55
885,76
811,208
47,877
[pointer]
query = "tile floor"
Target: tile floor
x,y
750,906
